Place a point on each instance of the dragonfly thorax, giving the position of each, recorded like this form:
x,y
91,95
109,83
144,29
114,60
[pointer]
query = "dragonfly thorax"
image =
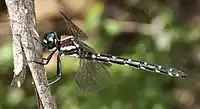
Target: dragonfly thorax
x,y
68,43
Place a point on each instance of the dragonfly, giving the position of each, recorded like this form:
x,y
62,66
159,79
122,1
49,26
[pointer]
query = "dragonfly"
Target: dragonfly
x,y
92,74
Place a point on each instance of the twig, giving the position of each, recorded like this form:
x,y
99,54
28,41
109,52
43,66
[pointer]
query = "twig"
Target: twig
x,y
26,49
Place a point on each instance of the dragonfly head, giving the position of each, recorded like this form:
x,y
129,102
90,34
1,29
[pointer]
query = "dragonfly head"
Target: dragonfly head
x,y
50,40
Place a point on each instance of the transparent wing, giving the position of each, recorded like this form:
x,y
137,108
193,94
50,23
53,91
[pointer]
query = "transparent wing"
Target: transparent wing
x,y
87,48
75,31
92,75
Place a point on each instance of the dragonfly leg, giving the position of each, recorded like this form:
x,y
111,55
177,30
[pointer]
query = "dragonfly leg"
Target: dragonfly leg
x,y
46,59
39,41
59,75
49,57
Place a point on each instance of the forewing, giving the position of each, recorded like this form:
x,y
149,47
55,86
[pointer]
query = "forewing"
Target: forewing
x,y
75,30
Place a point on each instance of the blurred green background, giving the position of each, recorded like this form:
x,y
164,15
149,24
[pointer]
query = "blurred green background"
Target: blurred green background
x,y
164,32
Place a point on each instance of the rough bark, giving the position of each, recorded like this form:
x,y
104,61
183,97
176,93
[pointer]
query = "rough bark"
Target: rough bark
x,y
26,49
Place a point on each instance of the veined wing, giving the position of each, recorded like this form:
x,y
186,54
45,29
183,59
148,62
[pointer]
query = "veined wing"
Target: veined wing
x,y
75,30
92,75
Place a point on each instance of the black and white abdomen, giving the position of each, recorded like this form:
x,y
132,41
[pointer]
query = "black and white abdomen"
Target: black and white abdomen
x,y
139,64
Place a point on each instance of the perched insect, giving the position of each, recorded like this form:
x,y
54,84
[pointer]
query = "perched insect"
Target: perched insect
x,y
92,74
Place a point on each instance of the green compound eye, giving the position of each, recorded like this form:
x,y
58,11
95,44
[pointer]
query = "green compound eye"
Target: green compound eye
x,y
51,36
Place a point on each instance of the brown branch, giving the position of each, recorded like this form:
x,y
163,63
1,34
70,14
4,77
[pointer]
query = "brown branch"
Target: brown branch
x,y
26,49
39,103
